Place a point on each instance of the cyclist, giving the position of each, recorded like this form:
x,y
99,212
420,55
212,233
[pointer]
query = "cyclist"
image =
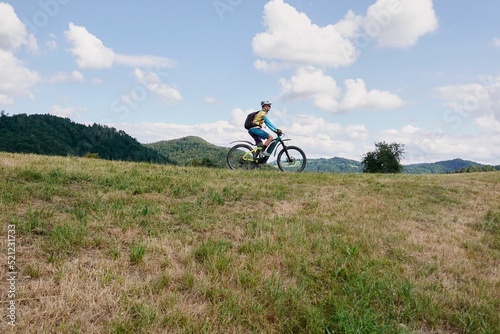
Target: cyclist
x,y
257,133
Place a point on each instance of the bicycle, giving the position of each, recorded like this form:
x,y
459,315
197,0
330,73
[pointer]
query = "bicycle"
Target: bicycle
x,y
246,155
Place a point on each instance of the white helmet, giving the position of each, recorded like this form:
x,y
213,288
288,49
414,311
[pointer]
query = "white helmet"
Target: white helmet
x,y
265,102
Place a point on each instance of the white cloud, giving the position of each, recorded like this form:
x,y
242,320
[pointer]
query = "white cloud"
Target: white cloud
x,y
16,79
488,122
496,42
74,76
290,36
357,131
90,52
357,97
476,99
292,40
153,84
430,146
400,23
13,33
311,125
312,83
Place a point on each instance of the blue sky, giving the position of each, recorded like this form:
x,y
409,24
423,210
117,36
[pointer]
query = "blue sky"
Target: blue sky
x,y
342,75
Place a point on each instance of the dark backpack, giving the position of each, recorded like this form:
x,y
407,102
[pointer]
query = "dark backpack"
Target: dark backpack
x,y
249,121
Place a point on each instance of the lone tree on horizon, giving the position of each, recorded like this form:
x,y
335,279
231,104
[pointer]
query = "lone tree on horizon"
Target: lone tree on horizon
x,y
385,159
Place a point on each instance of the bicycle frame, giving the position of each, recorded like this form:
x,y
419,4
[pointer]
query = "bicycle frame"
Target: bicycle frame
x,y
279,139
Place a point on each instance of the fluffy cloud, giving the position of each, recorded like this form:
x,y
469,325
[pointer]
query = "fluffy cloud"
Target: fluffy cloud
x,y
477,99
13,33
400,23
90,52
153,84
431,146
291,39
357,97
290,36
150,82
16,78
312,83
488,122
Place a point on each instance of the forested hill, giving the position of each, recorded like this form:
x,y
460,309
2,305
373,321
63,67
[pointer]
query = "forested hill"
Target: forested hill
x,y
192,151
52,135
448,166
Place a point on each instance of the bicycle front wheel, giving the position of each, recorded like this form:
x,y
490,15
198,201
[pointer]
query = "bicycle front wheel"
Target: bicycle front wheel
x,y
291,159
240,157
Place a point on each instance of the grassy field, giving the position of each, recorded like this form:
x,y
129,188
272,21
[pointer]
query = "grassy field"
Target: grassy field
x,y
115,247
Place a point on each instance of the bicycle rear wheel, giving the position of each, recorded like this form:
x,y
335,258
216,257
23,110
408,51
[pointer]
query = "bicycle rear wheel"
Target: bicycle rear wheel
x,y
291,159
240,157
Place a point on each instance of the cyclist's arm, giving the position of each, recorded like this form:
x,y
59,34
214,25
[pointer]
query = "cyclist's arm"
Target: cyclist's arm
x,y
269,124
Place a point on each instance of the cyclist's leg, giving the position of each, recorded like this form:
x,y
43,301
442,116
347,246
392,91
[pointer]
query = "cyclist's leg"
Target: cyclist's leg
x,y
258,135
268,140
258,141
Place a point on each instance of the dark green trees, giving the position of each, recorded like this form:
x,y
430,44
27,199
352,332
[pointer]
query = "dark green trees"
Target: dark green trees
x,y
51,135
385,159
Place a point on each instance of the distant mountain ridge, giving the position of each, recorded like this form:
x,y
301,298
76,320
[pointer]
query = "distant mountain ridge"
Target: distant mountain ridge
x,y
439,167
342,165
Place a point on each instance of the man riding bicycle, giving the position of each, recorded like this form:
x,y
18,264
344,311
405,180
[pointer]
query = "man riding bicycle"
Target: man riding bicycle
x,y
257,133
